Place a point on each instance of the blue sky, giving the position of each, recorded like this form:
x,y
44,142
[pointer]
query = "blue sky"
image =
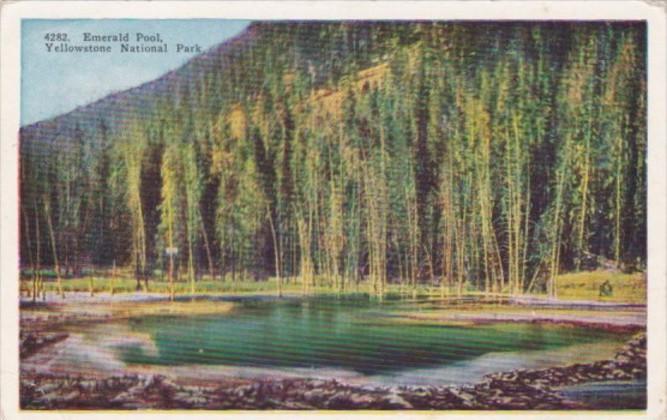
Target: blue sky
x,y
54,83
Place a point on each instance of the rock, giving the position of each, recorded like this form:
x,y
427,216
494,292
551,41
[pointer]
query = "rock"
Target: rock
x,y
397,402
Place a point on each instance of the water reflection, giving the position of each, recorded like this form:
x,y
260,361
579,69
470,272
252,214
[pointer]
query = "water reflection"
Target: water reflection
x,y
349,335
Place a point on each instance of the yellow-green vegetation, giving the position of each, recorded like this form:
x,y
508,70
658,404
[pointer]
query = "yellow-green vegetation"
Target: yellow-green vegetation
x,y
453,315
208,286
134,309
129,285
504,316
585,285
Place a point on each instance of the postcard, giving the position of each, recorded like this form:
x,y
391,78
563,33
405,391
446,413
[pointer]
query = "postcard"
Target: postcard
x,y
298,208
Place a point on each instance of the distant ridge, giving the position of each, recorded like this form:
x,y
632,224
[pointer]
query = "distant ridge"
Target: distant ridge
x,y
141,99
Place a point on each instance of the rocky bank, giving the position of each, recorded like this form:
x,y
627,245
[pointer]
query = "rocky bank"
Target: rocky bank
x,y
520,389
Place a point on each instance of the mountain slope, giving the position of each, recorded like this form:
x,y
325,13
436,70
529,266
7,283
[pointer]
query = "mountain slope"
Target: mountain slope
x,y
483,155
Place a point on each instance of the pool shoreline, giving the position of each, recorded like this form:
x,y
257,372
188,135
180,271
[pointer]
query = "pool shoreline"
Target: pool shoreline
x,y
81,307
521,389
45,388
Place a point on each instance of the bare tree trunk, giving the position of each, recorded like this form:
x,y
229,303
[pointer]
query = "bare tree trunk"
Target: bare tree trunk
x,y
191,267
38,244
47,210
276,253
113,277
91,286
33,293
584,198
207,247
171,277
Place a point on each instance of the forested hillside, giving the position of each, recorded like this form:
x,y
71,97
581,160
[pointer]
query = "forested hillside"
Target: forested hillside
x,y
487,156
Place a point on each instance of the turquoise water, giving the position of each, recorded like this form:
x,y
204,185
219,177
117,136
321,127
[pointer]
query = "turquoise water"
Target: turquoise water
x,y
353,335
609,395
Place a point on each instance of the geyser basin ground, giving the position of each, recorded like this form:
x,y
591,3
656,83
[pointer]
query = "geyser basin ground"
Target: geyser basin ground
x,y
354,340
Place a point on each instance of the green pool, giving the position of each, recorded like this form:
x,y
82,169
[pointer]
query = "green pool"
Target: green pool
x,y
352,335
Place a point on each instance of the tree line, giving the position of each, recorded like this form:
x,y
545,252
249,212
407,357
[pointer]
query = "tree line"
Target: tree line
x,y
463,155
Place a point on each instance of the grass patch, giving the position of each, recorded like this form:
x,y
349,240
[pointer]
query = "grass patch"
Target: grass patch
x,y
630,288
206,285
129,285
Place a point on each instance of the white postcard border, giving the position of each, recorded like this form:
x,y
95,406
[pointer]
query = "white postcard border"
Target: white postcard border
x,y
368,10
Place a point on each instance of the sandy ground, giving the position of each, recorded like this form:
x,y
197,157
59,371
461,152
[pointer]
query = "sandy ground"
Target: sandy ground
x,y
612,319
84,308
